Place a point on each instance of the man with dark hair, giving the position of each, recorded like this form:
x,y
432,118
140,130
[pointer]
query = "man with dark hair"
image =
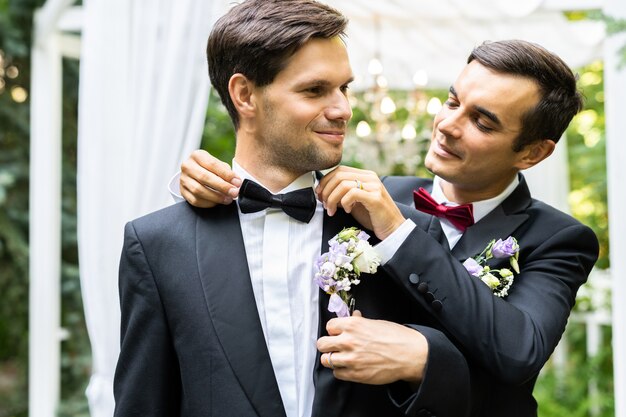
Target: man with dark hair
x,y
220,312
507,309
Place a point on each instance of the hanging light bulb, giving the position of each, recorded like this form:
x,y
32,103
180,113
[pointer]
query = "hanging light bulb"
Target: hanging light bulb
x,y
375,67
381,81
420,78
408,132
434,105
387,106
363,129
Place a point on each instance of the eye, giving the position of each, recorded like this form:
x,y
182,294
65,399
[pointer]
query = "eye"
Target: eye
x,y
451,103
345,88
315,90
482,127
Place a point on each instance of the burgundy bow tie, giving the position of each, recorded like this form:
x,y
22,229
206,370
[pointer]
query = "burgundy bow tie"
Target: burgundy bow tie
x,y
461,216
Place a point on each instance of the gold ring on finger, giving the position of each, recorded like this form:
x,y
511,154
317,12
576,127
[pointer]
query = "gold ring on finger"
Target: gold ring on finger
x,y
330,361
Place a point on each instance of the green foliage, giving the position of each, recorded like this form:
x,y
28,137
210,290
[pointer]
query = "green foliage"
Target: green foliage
x,y
15,40
218,136
566,392
586,142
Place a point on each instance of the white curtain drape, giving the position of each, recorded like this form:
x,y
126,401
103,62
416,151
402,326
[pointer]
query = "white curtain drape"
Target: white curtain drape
x,y
143,95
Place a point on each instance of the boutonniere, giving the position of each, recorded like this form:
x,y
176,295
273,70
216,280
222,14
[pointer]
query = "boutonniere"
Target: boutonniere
x,y
499,280
337,270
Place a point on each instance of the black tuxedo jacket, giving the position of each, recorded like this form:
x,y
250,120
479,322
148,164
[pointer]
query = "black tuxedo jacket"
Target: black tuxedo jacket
x,y
192,343
506,341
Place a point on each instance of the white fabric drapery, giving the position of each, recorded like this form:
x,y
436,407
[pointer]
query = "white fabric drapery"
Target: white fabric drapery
x,y
143,96
435,37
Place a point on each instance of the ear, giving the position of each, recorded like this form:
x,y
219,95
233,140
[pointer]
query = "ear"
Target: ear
x,y
241,91
534,153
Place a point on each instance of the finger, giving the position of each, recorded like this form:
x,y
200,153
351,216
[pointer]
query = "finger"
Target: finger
x,y
353,196
327,360
337,326
210,163
327,344
328,177
332,179
357,313
342,182
211,172
200,196
337,193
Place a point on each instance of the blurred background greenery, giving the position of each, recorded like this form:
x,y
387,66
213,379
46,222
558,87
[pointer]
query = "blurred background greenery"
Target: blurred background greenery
x,y
560,392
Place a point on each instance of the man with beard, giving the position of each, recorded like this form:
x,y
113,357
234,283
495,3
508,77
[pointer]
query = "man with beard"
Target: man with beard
x,y
220,313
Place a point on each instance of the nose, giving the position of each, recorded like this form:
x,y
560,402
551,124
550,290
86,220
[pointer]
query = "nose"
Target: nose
x,y
449,123
339,107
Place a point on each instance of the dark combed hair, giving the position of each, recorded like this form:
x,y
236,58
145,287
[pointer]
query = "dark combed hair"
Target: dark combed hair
x,y
257,37
559,100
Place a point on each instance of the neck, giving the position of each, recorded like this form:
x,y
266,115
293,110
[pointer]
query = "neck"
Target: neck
x,y
462,194
275,178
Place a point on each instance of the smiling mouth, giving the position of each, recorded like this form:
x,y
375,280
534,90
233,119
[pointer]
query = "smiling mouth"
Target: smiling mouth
x,y
332,135
444,151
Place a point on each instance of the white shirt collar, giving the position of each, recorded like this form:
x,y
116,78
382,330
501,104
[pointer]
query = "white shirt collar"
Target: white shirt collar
x,y
481,208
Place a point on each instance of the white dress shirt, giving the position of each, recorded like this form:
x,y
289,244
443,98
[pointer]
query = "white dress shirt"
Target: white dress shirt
x,y
291,251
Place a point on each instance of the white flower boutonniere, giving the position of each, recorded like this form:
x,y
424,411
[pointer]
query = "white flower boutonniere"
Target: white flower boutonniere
x,y
499,280
337,270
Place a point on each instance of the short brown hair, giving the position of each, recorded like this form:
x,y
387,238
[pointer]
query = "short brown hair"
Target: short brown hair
x,y
257,37
560,100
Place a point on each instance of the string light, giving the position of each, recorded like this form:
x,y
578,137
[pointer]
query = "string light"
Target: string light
x,y
19,94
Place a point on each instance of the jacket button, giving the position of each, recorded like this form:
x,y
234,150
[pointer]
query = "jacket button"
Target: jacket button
x,y
422,287
436,305
429,297
414,278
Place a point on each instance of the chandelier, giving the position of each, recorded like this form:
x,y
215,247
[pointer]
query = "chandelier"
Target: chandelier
x,y
390,129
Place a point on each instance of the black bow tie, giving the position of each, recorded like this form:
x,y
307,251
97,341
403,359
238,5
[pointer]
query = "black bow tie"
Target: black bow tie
x,y
299,204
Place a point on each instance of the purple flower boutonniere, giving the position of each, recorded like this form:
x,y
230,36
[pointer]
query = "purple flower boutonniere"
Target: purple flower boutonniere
x,y
499,280
337,270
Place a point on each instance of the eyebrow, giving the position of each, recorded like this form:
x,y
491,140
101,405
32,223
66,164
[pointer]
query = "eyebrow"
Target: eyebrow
x,y
320,82
488,114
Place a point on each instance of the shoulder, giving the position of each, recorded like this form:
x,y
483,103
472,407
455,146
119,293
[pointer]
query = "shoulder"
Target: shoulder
x,y
165,218
545,220
560,228
178,221
550,217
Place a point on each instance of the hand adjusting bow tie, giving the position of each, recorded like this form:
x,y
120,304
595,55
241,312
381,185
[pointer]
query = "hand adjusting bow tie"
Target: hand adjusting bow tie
x,y
461,216
299,204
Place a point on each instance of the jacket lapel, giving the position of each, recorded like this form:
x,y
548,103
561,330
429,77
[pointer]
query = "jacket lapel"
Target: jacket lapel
x,y
225,276
331,394
500,223
426,222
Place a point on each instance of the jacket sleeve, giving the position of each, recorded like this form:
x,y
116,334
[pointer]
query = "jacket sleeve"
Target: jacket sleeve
x,y
147,379
511,337
444,390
